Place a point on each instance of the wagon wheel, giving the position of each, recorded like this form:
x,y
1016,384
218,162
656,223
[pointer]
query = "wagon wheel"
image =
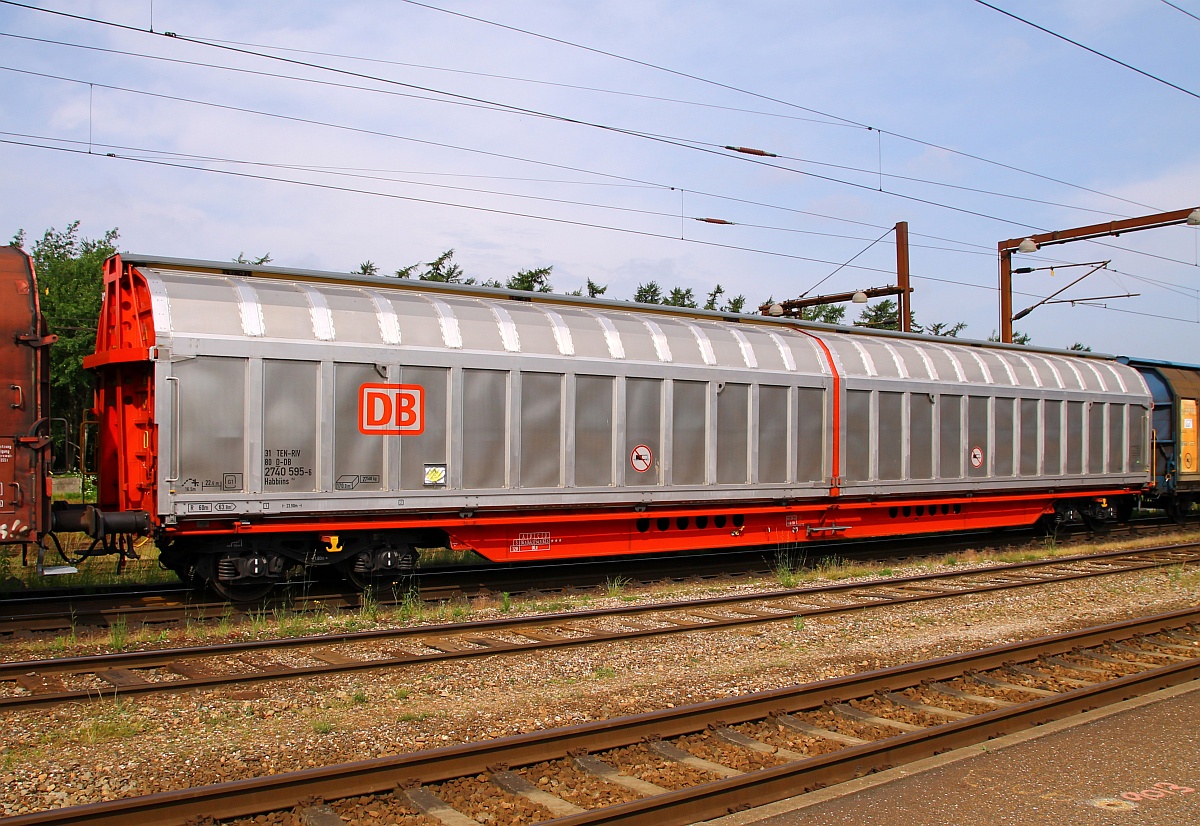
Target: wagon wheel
x,y
1098,525
241,590
362,580
375,582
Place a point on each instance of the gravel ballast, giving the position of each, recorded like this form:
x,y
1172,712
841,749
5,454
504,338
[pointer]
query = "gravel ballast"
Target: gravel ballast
x,y
88,752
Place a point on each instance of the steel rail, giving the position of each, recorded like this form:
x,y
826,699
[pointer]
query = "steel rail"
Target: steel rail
x,y
33,610
39,675
248,797
59,610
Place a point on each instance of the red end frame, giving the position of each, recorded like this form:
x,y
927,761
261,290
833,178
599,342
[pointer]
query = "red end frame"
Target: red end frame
x,y
128,438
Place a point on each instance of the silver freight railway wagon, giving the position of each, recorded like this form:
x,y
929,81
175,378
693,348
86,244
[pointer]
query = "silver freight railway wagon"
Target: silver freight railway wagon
x,y
298,395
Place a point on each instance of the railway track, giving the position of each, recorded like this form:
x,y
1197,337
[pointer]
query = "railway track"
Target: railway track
x,y
46,682
63,611
56,611
693,763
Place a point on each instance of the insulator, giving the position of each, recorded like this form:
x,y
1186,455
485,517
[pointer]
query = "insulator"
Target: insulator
x,y
762,153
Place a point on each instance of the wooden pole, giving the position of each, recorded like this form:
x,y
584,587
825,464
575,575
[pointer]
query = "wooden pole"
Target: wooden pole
x,y
902,276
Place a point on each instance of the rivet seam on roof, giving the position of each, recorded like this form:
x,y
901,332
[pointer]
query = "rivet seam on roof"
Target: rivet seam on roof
x,y
747,349
451,334
250,308
901,367
1097,374
931,370
1117,375
959,375
612,337
661,347
389,323
868,362
1053,371
319,312
562,333
987,373
508,328
1077,374
1037,377
1012,374
789,361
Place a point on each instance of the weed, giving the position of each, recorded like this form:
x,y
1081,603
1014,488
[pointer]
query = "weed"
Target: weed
x,y
828,563
401,693
299,625
114,721
951,560
258,619
614,586
359,697
118,634
322,726
787,568
368,605
410,607
604,672
505,602
460,612
65,641
412,717
798,623
835,568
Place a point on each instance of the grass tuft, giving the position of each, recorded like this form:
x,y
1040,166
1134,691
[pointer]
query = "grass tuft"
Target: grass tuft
x,y
118,634
615,586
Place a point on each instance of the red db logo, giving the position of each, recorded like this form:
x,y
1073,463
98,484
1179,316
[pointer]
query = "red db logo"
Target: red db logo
x,y
391,409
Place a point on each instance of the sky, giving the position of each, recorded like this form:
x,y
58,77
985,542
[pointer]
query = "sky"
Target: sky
x,y
589,137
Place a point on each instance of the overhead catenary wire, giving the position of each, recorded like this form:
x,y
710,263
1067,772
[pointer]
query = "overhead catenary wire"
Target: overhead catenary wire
x,y
524,110
626,230
500,107
1096,52
395,196
506,107
682,144
379,133
92,84
1181,9
847,263
528,80
362,175
790,104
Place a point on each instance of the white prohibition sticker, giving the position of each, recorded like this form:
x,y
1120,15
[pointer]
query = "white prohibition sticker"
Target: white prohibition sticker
x,y
976,457
641,457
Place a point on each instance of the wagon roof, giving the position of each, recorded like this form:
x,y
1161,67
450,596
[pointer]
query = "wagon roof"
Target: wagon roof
x,y
433,287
